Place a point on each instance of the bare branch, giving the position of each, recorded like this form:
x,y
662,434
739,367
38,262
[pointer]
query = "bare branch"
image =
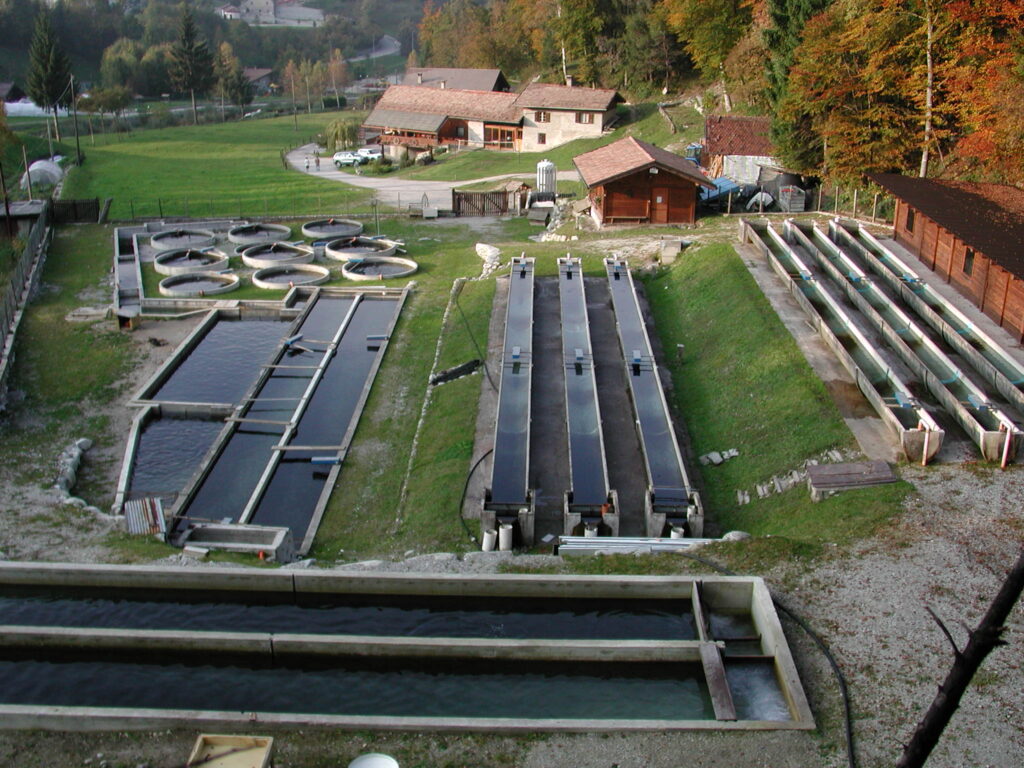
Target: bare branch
x,y
942,626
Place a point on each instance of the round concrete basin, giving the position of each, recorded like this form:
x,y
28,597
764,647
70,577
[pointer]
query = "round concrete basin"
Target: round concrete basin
x,y
254,234
197,284
183,260
182,238
276,254
346,248
283,277
325,229
378,268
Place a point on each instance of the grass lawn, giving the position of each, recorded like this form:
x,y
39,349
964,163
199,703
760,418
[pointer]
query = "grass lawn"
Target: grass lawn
x,y
213,170
64,366
743,383
647,124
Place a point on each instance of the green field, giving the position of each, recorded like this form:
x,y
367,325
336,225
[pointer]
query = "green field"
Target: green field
x,y
229,169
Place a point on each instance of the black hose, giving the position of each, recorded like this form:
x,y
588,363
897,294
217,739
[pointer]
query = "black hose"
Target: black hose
x,y
465,490
840,678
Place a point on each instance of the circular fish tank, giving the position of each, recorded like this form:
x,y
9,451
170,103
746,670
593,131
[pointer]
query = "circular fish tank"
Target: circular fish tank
x,y
182,238
254,234
287,276
182,260
325,229
346,248
378,268
197,284
276,254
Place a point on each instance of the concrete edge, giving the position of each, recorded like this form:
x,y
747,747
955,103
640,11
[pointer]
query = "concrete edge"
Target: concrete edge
x,y
22,717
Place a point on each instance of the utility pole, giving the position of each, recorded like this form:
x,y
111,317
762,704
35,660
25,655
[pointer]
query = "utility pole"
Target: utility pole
x,y
74,110
28,174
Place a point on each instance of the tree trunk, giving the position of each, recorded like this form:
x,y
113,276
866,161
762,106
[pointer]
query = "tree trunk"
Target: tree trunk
x,y
985,637
726,101
195,112
309,104
56,123
929,89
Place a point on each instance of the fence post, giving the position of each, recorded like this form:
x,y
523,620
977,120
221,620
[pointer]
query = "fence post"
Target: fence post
x,y
855,202
874,207
821,190
160,207
186,208
836,211
131,202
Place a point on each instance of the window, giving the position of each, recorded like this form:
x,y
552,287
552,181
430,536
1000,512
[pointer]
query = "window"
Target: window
x,y
460,131
969,262
542,138
543,117
909,226
587,118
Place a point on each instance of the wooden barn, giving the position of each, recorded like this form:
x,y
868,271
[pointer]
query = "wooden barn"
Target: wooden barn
x,y
635,182
970,234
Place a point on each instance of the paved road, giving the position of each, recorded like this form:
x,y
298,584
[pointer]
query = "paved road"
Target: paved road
x,y
396,191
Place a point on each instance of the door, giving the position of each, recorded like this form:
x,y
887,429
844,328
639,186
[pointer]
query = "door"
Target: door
x,y
659,205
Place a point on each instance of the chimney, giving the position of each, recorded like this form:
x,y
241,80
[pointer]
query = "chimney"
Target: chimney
x,y
569,80
419,78
444,84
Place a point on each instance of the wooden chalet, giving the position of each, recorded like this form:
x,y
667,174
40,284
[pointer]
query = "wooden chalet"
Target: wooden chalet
x,y
413,118
970,234
457,79
737,147
632,181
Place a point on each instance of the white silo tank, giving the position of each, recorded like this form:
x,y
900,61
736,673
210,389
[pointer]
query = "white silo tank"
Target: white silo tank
x,y
546,177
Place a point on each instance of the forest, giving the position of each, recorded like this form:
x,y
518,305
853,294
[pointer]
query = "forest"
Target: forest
x,y
929,87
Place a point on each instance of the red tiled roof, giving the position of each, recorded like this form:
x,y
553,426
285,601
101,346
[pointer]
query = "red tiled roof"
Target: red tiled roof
x,y
553,96
493,106
987,217
255,73
738,136
630,155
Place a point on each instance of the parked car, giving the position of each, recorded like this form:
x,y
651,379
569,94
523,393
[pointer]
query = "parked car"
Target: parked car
x,y
370,153
349,158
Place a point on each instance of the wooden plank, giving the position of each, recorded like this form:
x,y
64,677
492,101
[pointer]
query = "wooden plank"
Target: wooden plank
x,y
701,618
718,685
850,475
300,367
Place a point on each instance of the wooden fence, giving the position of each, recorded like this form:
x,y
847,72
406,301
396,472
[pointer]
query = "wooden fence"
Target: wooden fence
x,y
16,291
75,211
480,203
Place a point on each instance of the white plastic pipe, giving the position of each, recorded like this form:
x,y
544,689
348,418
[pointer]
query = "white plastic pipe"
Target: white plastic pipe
x,y
505,537
490,536
678,533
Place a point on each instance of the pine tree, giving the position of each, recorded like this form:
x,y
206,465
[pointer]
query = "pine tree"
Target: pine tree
x,y
49,70
192,62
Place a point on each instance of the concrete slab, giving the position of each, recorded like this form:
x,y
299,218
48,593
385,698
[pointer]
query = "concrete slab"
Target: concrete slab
x,y
626,472
549,443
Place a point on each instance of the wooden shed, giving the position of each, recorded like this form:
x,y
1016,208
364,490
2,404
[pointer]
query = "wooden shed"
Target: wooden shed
x,y
632,181
970,234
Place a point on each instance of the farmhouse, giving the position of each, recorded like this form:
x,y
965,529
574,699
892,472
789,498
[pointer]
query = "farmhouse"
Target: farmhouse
x,y
419,117
970,234
459,79
259,78
632,181
413,119
737,147
556,114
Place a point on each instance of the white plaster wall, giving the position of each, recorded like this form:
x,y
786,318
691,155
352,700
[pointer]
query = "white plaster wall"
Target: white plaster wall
x,y
562,128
